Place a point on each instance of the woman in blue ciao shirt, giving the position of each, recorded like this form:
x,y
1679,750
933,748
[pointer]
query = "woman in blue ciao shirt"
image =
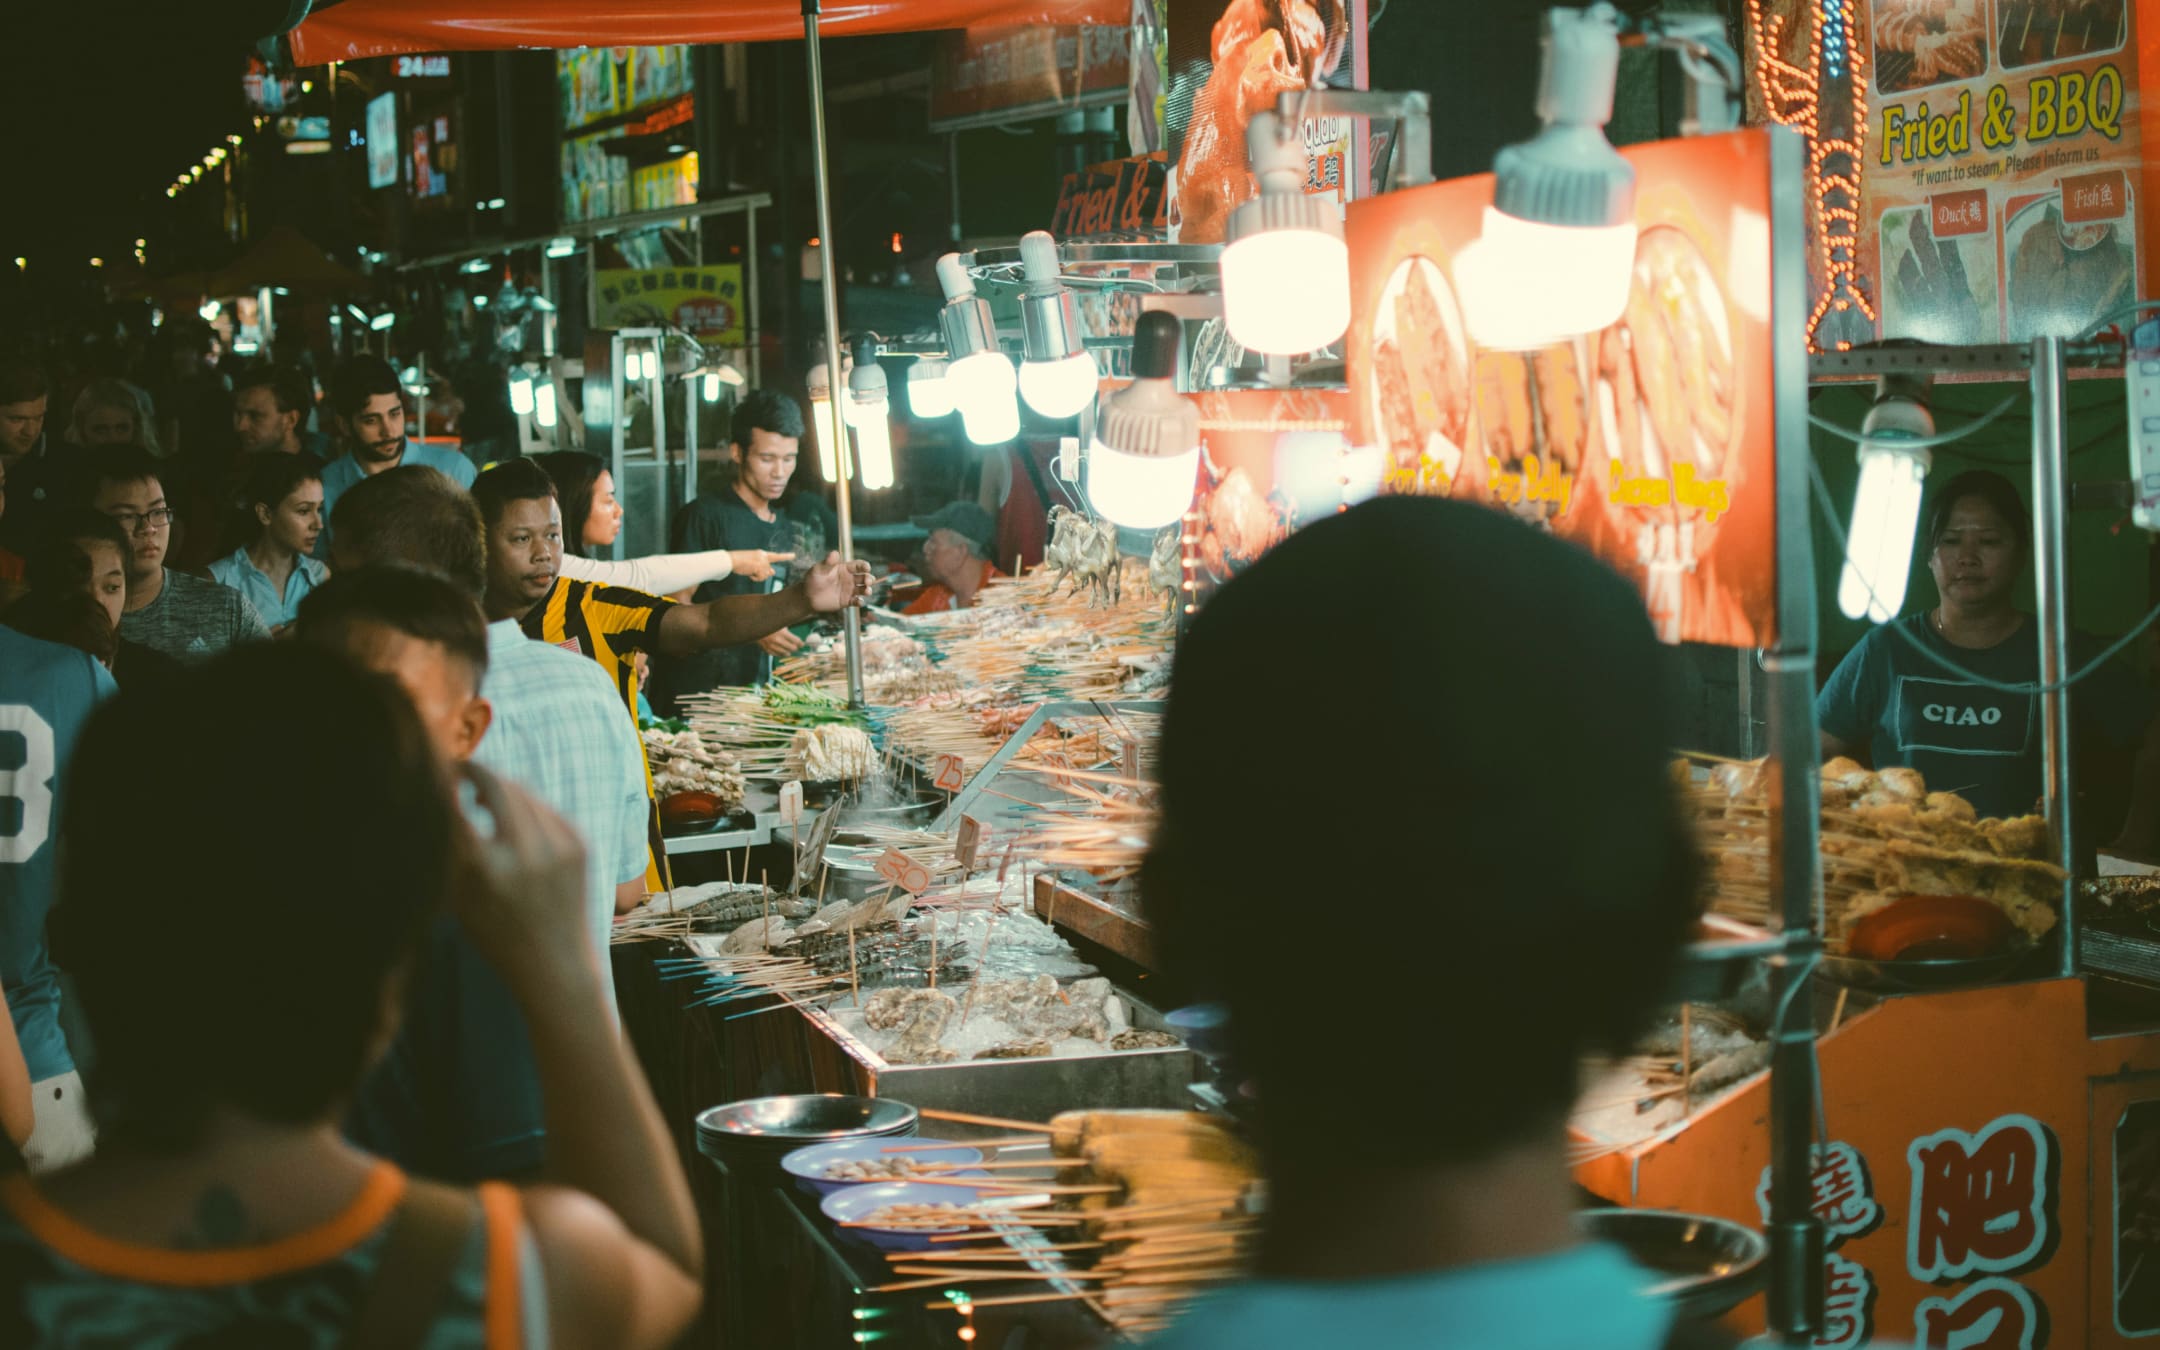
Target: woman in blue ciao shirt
x,y
1893,700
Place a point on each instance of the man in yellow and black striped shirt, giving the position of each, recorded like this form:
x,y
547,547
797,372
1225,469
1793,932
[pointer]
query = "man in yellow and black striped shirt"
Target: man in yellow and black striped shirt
x,y
611,624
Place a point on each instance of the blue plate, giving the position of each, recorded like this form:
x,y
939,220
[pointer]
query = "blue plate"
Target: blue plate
x,y
807,1165
851,1203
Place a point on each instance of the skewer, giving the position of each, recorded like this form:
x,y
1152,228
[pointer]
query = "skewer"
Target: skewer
x,y
1016,1141
991,1122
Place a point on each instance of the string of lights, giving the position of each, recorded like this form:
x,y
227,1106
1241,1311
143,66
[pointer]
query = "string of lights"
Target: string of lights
x,y
209,163
1794,96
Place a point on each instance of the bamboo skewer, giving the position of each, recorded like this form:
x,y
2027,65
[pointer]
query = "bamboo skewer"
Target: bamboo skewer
x,y
989,1122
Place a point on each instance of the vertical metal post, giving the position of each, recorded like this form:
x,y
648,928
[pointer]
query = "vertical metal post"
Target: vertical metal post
x,y
659,431
1796,1236
851,618
952,179
420,394
592,284
752,265
618,424
2051,587
693,390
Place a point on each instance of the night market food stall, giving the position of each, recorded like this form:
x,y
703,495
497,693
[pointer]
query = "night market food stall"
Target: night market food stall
x,y
1941,1132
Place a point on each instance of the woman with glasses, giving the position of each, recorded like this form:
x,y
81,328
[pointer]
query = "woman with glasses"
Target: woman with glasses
x,y
185,617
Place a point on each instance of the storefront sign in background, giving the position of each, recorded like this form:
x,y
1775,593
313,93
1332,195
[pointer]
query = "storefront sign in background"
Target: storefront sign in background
x,y
382,141
2003,189
979,73
1650,443
705,302
597,83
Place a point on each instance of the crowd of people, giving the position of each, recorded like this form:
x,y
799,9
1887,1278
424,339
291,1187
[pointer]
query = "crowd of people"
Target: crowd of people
x,y
377,1069
333,790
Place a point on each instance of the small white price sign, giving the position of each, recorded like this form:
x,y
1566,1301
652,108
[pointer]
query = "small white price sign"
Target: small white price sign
x,y
951,773
791,803
898,869
968,844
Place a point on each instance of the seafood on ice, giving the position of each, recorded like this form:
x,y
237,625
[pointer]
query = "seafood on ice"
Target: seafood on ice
x,y
1083,553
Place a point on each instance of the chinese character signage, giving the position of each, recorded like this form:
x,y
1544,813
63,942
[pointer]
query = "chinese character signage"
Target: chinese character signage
x,y
1649,443
706,302
1980,1202
1844,1201
1017,72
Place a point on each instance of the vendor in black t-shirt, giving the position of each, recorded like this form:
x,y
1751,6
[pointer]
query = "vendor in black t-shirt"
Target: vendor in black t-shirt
x,y
1892,701
746,514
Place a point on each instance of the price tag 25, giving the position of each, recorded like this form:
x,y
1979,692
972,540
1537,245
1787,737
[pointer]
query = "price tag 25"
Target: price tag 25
x,y
951,773
898,869
791,803
967,845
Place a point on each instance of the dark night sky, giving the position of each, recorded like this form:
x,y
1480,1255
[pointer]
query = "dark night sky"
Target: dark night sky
x,y
105,101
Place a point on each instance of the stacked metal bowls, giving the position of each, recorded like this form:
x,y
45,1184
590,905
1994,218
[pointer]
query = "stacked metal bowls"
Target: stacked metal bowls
x,y
766,1129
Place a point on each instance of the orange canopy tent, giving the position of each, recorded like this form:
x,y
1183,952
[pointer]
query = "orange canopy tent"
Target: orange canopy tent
x,y
350,29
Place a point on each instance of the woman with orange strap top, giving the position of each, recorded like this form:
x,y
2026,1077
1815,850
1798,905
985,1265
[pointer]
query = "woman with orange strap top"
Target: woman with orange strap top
x,y
237,994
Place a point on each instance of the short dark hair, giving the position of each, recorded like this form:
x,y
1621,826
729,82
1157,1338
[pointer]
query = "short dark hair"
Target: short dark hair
x,y
360,379
575,475
205,1005
419,602
513,480
59,562
1562,846
289,388
1990,487
118,464
68,616
273,475
21,380
766,410
413,515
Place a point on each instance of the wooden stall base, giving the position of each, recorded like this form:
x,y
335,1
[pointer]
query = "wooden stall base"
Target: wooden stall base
x,y
1095,919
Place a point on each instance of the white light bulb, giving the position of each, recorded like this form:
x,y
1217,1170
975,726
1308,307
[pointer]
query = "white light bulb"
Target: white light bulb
x,y
1525,285
544,403
985,391
873,442
712,386
521,394
1286,292
1059,388
929,389
1879,545
1141,492
821,419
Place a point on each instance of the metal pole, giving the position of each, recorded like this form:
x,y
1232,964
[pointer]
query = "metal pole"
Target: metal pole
x,y
2051,585
659,427
1796,1236
752,265
851,618
618,424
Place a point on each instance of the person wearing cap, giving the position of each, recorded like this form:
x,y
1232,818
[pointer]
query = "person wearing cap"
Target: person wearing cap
x,y
956,558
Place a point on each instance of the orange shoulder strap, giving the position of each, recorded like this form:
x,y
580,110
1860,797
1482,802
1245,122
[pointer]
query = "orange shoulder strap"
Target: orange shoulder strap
x,y
505,1309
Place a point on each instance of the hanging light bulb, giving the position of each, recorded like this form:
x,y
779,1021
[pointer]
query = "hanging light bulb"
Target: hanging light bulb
x,y
1146,453
544,403
521,392
712,386
869,411
828,433
984,388
1556,249
929,390
1057,376
1886,505
1285,269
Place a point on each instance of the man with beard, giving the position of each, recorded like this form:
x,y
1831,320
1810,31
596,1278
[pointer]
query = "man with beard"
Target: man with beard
x,y
368,402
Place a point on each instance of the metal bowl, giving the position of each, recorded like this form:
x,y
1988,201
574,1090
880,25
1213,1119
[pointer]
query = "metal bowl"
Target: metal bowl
x,y
1706,1267
778,1125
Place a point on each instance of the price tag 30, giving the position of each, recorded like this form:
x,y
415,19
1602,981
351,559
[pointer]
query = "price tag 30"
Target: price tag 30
x,y
791,803
951,773
967,845
898,869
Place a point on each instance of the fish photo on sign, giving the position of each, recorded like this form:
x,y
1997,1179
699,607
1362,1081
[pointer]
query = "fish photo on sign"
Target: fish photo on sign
x,y
1229,59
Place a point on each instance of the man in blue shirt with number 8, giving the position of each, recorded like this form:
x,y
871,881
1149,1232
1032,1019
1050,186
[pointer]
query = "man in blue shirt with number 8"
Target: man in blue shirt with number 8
x,y
46,694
